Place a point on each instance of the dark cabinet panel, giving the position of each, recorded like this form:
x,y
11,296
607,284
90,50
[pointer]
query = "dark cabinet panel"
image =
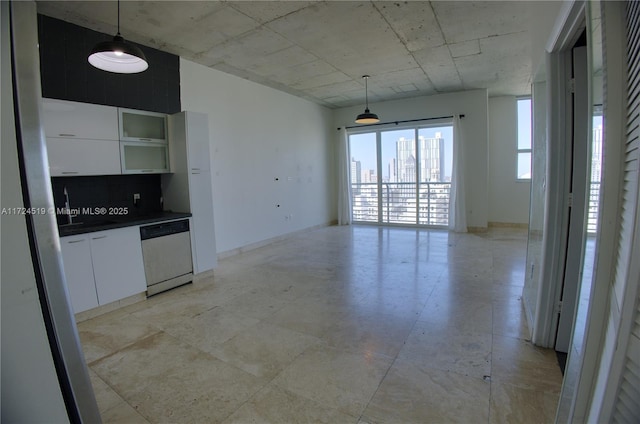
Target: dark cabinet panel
x,y
67,75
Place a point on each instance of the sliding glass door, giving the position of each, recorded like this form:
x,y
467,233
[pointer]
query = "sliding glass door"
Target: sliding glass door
x,y
435,146
399,182
402,176
364,177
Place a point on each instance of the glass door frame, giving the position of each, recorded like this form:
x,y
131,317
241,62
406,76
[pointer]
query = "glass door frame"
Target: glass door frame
x,y
378,130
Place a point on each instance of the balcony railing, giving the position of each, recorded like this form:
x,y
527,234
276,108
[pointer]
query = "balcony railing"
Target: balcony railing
x,y
424,203
594,201
399,204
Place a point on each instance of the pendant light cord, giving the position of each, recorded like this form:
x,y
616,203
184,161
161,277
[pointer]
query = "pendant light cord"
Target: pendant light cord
x,y
118,17
366,91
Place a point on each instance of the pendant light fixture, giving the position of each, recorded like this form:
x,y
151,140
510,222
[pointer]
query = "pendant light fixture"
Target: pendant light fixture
x,y
117,55
367,117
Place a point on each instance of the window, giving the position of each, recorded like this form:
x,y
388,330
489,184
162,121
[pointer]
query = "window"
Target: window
x,y
402,176
524,139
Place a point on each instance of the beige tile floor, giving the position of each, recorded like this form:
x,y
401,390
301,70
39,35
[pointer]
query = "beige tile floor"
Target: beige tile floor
x,y
338,325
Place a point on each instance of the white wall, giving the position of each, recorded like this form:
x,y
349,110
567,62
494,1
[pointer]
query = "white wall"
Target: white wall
x,y
259,134
474,105
544,15
508,198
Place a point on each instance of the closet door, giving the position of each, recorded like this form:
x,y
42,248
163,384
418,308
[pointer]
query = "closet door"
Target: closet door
x,y
625,290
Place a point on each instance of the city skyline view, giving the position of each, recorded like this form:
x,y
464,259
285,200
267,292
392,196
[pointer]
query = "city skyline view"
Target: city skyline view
x,y
410,183
363,148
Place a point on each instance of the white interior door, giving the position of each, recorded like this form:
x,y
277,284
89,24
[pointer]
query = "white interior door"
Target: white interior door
x,y
579,190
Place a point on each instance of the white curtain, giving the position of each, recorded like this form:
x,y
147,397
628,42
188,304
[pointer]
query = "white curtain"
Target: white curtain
x,y
457,204
344,184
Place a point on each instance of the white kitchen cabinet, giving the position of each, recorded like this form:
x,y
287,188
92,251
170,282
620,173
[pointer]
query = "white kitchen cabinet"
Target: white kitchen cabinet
x,y
200,194
144,145
82,138
144,158
138,125
78,269
76,156
189,187
198,142
88,139
103,267
68,119
117,263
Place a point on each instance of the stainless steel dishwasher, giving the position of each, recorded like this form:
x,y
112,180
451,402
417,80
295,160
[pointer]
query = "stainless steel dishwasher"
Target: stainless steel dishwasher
x,y
166,249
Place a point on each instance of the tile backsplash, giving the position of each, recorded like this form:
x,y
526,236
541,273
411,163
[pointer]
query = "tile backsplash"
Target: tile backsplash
x,y
113,192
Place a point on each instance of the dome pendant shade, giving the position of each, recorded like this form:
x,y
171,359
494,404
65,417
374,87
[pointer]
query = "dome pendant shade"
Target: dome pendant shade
x,y
118,56
367,117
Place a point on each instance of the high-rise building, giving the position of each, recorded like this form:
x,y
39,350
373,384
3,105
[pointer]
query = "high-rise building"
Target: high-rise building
x,y
393,170
369,176
406,165
356,175
431,157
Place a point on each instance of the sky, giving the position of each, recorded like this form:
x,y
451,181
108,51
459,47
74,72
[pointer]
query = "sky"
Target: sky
x,y
524,123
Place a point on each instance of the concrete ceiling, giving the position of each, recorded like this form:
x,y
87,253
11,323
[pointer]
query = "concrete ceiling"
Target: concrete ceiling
x,y
319,50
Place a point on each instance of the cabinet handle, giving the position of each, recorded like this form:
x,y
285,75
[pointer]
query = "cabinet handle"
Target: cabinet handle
x,y
69,172
195,169
147,170
98,238
66,135
75,241
145,139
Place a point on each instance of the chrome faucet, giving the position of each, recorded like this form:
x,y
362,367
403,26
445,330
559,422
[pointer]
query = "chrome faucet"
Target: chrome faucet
x,y
67,209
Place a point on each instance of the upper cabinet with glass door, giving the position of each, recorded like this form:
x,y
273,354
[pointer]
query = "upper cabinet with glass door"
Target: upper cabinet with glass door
x,y
141,126
144,143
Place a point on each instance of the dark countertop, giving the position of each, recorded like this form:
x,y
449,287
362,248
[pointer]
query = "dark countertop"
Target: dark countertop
x,y
112,222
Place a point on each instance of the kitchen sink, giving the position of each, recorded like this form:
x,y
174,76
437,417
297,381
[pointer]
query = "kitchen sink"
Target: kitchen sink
x,y
89,224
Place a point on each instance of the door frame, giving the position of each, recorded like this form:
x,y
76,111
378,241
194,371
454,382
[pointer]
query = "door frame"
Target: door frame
x,y
589,401
40,228
568,28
